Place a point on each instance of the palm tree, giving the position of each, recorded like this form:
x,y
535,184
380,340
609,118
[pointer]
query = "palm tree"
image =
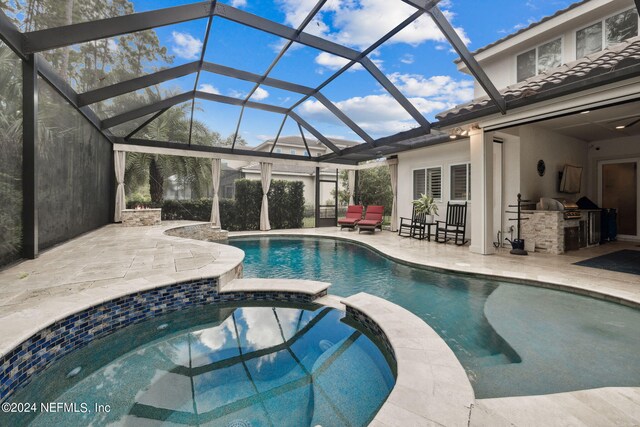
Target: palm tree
x,y
154,169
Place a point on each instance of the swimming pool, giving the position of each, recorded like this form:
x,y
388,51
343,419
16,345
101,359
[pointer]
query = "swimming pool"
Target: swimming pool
x,y
246,365
512,339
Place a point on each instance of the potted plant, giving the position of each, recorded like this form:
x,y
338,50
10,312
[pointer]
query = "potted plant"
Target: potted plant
x,y
426,205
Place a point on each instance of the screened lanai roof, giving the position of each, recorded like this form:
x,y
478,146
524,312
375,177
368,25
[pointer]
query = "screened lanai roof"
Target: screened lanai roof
x,y
237,73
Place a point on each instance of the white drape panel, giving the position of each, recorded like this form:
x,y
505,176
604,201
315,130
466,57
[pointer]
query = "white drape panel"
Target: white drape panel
x,y
119,158
351,180
265,175
215,181
393,171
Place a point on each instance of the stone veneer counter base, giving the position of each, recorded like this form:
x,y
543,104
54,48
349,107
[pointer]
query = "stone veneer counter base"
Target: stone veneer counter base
x,y
141,217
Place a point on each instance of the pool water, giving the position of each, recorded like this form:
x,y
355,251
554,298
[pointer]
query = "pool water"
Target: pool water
x,y
511,339
221,366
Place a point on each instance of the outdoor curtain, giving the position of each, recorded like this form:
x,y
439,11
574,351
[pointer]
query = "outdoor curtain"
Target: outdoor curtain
x,y
352,184
265,174
215,180
393,171
120,163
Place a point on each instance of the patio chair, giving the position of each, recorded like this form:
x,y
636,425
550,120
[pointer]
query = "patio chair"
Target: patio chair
x,y
352,217
372,219
456,224
414,226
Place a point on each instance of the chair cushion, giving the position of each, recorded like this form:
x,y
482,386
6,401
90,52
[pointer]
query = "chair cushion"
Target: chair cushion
x,y
368,222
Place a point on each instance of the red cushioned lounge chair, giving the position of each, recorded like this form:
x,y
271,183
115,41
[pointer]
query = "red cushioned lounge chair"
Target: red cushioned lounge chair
x,y
353,216
372,219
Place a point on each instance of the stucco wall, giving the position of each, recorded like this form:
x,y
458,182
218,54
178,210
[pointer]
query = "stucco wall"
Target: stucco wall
x,y
556,150
442,155
510,183
501,65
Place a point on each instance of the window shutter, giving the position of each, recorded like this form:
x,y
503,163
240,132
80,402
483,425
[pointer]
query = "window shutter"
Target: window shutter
x,y
419,183
459,182
434,182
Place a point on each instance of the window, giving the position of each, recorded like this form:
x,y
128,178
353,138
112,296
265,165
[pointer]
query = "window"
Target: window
x,y
292,151
526,65
427,181
306,154
434,182
589,40
538,60
621,26
549,55
278,150
611,30
419,183
461,182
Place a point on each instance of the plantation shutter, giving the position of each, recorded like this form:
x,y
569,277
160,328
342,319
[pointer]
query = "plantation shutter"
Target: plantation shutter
x,y
419,183
434,182
459,182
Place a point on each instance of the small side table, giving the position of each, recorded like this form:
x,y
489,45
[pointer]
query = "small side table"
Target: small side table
x,y
421,235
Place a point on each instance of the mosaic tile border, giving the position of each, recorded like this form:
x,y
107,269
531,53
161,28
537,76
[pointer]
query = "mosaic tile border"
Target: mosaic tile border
x,y
76,331
373,327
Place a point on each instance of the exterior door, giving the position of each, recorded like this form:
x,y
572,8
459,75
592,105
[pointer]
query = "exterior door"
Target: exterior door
x,y
619,190
326,198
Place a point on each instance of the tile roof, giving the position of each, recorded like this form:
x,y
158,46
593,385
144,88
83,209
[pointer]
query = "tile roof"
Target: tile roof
x,y
615,57
533,25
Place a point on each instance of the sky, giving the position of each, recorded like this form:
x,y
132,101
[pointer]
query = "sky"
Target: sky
x,y
419,60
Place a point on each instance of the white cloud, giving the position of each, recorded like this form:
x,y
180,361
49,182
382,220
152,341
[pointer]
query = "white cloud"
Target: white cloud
x,y
377,114
382,115
360,23
238,3
260,94
437,88
334,62
237,94
206,87
186,46
407,59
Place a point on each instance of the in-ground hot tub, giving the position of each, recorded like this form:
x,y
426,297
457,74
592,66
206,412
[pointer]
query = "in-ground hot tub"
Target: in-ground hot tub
x,y
254,364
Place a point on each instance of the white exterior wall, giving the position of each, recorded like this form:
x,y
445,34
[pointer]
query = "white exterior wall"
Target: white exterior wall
x,y
499,62
443,155
508,183
556,150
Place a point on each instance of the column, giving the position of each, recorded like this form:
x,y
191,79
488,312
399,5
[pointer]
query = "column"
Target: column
x,y
481,192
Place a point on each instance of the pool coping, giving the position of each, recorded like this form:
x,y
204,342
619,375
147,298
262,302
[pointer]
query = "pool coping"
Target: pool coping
x,y
607,294
431,384
227,267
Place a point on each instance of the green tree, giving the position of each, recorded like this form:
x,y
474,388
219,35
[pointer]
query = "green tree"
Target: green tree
x,y
374,188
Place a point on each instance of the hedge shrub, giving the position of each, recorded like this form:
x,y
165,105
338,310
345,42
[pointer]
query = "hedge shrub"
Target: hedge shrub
x,y
286,206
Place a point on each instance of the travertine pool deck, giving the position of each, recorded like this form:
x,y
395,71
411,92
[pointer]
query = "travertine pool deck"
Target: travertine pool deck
x,y
114,261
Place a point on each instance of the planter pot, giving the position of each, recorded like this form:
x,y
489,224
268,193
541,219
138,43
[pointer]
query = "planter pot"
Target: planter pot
x,y
429,218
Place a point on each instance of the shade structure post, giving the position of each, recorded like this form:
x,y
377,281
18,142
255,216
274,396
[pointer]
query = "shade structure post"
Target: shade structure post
x,y
215,181
265,175
393,172
119,163
351,182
